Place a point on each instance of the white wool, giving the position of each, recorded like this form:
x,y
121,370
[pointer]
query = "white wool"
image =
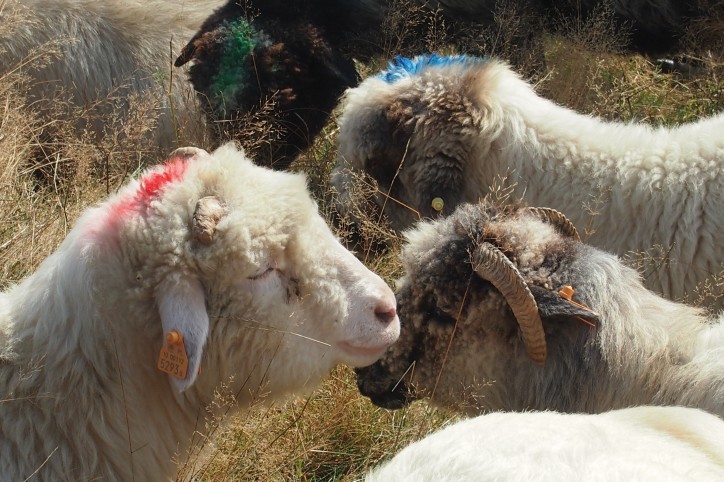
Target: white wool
x,y
268,306
112,49
627,187
641,443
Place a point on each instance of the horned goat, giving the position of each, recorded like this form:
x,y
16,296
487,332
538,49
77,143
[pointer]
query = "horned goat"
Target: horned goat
x,y
640,443
505,309
437,131
223,266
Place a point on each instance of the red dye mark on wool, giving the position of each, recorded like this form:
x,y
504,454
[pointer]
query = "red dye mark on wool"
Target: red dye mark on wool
x,y
153,183
150,187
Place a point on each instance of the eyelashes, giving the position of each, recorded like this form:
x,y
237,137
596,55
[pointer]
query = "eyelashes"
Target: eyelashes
x,y
262,274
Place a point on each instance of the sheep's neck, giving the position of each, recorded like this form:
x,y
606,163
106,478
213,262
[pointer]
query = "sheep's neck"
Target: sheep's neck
x,y
114,386
657,353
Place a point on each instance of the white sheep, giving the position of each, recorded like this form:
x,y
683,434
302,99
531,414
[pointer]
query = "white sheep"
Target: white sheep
x,y
640,443
485,326
444,130
231,256
110,49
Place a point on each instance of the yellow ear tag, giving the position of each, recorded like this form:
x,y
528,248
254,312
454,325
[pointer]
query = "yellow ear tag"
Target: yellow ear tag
x,y
438,204
173,359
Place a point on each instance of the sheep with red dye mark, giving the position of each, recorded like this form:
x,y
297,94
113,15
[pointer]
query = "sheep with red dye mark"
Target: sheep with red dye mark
x,y
210,268
640,443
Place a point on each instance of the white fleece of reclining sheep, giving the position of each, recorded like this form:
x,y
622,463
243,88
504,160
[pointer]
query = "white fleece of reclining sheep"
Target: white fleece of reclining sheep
x,y
635,444
111,49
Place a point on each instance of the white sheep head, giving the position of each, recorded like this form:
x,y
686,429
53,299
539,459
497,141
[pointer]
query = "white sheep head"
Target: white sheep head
x,y
236,259
465,325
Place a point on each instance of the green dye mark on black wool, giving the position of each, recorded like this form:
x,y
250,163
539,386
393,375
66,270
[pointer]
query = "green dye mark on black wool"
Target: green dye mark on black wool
x,y
234,73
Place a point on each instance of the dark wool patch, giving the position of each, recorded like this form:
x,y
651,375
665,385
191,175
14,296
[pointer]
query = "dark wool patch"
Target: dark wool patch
x,y
242,63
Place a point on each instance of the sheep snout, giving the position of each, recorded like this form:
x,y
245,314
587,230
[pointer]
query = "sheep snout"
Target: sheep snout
x,y
373,328
373,323
385,314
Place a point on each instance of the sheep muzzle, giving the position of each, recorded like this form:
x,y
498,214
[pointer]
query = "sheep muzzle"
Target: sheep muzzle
x,y
374,382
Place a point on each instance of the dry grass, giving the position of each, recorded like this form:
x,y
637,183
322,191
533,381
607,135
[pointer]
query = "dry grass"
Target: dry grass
x,y
333,434
50,171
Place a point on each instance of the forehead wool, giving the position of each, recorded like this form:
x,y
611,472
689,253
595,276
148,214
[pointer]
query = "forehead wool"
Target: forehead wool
x,y
403,67
150,186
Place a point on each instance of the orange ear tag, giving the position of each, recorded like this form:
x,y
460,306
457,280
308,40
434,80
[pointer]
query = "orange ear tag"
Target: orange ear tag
x,y
173,359
567,294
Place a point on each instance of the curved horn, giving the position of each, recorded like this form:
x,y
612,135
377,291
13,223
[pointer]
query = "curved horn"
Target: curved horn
x,y
491,264
208,211
557,219
188,153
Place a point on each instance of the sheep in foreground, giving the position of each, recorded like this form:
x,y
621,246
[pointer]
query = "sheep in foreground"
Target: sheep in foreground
x,y
487,326
210,268
641,443
109,50
444,130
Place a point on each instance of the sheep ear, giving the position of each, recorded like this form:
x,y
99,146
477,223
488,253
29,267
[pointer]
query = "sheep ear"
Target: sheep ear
x,y
182,306
438,185
552,305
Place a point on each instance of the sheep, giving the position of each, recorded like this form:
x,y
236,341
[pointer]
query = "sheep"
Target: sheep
x,y
290,56
219,272
110,50
487,324
295,59
436,130
640,443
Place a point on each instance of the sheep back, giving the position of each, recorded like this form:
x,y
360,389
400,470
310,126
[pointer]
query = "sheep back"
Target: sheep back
x,y
661,443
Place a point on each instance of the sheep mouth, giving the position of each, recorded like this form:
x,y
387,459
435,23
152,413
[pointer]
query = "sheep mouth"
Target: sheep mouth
x,y
391,397
391,400
366,354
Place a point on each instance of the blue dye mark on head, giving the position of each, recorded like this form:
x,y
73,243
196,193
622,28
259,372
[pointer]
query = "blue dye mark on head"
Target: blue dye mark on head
x,y
403,67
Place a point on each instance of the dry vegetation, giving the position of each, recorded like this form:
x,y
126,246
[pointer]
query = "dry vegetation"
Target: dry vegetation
x,y
50,171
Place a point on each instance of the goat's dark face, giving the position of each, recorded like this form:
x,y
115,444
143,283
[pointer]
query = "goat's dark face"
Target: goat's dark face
x,y
460,343
434,302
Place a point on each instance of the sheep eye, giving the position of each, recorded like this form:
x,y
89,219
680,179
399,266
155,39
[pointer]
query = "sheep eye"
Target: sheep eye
x,y
262,274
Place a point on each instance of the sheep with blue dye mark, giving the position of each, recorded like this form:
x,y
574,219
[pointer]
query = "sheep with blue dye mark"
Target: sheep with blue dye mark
x,y
216,271
447,130
504,308
640,443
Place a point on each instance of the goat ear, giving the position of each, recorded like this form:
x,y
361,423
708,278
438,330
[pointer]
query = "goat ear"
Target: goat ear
x,y
182,305
552,305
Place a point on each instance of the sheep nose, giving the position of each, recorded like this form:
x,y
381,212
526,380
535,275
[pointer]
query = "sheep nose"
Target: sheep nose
x,y
385,313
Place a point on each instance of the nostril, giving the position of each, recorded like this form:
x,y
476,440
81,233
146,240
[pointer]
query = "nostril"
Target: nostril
x,y
385,314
